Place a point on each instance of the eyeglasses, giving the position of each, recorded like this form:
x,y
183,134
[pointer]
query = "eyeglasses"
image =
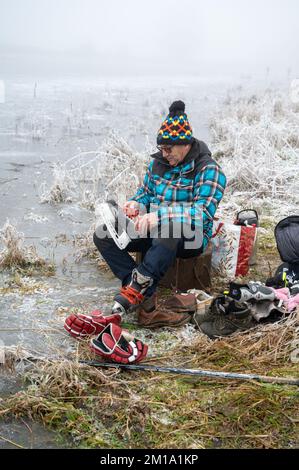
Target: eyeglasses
x,y
165,148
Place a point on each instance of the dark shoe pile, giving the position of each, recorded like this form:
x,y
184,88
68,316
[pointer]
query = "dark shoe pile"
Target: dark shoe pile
x,y
263,301
225,316
175,311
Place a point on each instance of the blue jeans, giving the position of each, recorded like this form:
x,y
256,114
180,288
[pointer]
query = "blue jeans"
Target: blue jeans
x,y
158,254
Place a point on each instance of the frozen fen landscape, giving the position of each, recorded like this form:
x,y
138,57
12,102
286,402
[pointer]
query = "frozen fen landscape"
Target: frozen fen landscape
x,y
62,146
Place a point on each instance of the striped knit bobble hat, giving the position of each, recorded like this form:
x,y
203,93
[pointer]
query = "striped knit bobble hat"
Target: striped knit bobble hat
x,y
175,130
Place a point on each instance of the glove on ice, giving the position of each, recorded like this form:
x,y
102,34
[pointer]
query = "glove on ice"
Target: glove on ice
x,y
81,326
119,346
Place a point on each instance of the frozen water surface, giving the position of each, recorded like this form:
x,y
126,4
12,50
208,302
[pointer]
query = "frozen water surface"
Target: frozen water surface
x,y
45,122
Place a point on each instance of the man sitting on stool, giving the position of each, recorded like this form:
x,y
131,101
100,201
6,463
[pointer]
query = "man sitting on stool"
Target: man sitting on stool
x,y
185,185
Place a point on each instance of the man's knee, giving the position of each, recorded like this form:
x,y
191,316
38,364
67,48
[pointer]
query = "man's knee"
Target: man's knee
x,y
101,240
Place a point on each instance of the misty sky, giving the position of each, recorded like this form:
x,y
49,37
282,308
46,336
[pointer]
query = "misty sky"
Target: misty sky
x,y
170,36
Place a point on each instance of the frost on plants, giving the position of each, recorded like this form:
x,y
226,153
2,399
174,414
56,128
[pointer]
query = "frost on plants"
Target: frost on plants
x,y
62,188
113,170
256,141
15,254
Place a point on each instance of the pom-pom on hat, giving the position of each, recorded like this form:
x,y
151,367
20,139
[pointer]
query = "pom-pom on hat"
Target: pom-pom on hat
x,y
175,130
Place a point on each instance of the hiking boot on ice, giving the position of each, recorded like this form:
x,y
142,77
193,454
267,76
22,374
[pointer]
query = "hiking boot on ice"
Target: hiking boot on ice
x,y
149,304
226,316
160,317
181,302
175,311
218,306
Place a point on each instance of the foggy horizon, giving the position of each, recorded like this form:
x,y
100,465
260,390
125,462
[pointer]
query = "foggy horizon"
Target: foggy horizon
x,y
135,38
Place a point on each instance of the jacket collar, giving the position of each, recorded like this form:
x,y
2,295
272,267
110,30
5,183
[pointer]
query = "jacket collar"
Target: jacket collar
x,y
187,165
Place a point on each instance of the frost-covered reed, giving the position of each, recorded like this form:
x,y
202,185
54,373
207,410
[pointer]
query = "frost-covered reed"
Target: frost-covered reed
x,y
113,171
256,139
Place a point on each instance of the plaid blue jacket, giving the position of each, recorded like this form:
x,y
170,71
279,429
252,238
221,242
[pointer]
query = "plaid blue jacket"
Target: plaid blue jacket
x,y
187,193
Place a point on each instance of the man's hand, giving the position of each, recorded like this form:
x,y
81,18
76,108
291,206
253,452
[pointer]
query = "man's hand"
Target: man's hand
x,y
146,222
131,208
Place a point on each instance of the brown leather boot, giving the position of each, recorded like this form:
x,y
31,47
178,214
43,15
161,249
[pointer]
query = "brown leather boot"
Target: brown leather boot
x,y
160,317
181,302
149,304
175,311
